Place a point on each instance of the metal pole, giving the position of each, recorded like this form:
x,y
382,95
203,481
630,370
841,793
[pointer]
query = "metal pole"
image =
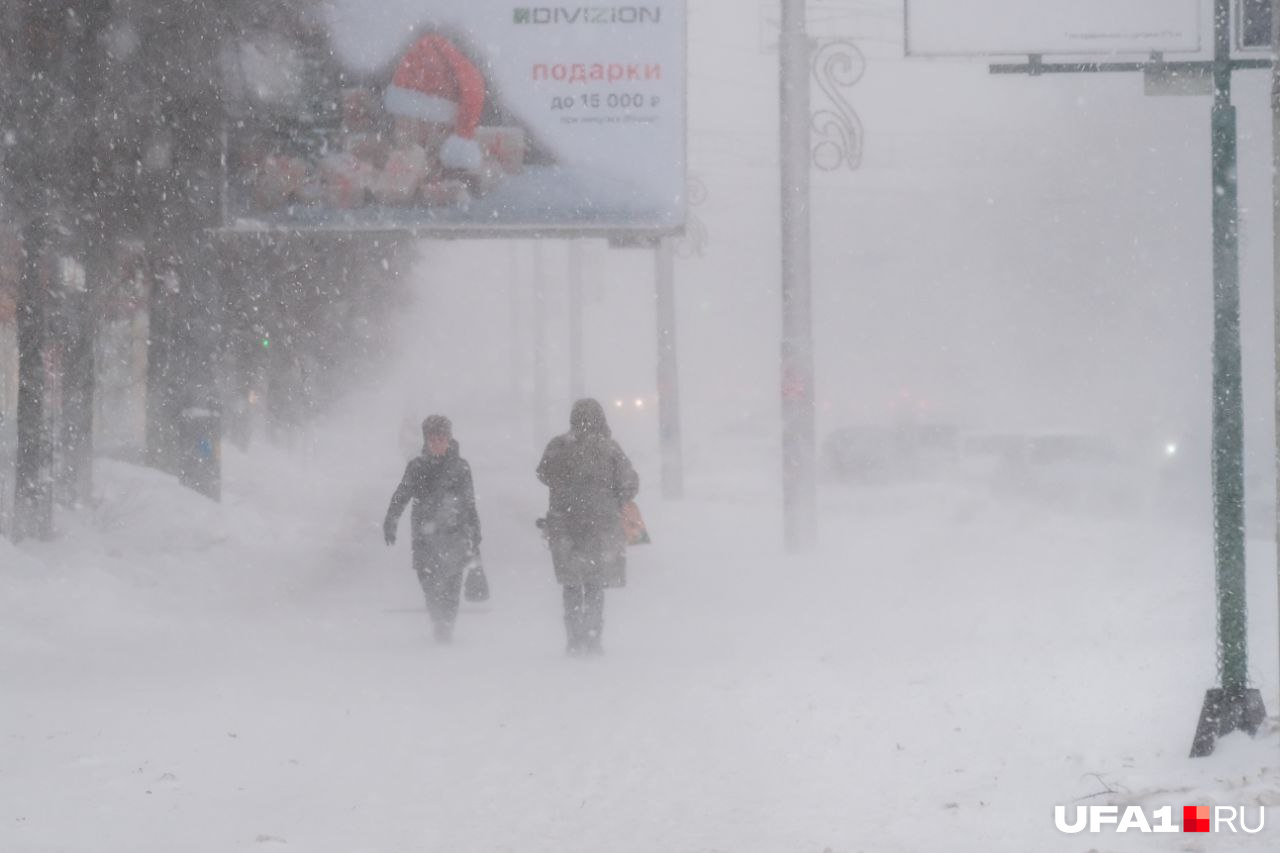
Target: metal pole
x,y
577,379
668,374
1228,418
1275,250
513,342
799,482
541,429
1233,706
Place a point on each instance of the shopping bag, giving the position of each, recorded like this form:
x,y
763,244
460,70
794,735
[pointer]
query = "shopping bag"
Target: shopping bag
x,y
476,586
633,525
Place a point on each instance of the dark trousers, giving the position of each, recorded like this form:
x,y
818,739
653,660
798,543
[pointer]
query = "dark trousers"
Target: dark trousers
x,y
439,562
584,615
442,591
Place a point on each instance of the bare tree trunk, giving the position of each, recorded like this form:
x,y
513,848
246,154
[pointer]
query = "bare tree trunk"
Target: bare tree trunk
x,y
162,380
33,489
75,480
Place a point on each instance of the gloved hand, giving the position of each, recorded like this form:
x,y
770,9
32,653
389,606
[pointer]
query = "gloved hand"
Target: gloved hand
x,y
389,533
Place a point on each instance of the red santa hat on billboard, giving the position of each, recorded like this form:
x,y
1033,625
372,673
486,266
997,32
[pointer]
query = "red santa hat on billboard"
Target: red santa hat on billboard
x,y
435,82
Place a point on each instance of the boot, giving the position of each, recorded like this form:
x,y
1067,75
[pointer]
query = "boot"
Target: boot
x,y
576,645
573,622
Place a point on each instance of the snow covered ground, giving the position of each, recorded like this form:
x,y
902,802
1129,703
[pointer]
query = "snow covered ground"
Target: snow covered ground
x,y
180,676
954,661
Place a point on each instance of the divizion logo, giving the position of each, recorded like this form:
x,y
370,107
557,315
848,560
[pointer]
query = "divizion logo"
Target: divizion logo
x,y
1135,819
588,15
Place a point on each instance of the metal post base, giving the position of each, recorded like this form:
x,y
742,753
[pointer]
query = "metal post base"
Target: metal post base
x,y
1224,712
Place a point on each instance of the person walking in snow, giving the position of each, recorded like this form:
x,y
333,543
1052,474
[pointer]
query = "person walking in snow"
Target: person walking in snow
x,y
446,526
590,479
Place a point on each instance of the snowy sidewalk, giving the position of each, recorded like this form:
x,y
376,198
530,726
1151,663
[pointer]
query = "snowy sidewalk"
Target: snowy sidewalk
x,y
259,676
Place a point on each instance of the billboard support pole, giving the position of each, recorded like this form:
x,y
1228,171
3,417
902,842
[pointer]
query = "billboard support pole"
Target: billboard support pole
x,y
513,335
1275,249
668,373
799,442
541,428
577,379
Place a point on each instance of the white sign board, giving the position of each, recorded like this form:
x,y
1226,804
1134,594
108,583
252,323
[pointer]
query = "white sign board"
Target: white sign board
x,y
1062,27
488,115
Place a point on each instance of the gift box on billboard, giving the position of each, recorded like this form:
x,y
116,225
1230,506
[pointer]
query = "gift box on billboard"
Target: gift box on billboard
x,y
505,146
346,178
406,170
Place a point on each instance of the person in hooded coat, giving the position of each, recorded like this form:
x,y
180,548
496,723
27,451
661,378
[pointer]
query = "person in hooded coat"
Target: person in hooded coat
x,y
446,526
590,479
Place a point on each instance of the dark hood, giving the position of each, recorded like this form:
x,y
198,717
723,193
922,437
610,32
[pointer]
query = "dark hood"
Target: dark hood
x,y
587,418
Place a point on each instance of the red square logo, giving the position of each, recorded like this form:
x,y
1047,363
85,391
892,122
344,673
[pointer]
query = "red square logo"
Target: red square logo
x,y
1196,819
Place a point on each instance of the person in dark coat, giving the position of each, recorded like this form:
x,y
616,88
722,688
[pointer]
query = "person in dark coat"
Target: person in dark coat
x,y
446,526
590,479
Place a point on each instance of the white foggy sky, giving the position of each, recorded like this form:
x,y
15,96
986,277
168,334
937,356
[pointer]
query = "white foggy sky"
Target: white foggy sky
x,y
1025,253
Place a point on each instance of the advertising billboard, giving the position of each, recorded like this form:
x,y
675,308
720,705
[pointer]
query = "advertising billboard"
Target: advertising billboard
x,y
1047,27
487,117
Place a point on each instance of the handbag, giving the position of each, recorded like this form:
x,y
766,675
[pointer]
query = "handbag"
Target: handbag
x,y
475,587
633,525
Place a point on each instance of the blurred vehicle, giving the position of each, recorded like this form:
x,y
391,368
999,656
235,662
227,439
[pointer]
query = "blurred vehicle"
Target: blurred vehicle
x,y
1066,468
1185,481
630,404
882,454
1157,473
633,416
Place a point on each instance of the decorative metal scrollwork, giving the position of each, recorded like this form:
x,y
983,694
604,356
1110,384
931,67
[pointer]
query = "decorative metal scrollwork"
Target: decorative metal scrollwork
x,y
837,66
694,242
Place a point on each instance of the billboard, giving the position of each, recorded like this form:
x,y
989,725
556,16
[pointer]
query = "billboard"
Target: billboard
x,y
487,117
1046,27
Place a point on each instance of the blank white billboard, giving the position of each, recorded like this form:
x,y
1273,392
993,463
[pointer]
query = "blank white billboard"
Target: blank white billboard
x,y
1073,27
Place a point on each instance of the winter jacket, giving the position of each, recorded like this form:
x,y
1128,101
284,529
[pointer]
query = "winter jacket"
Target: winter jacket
x,y
590,479
446,526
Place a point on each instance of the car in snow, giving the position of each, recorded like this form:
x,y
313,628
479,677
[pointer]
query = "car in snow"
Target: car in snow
x,y
885,453
1065,468
629,404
